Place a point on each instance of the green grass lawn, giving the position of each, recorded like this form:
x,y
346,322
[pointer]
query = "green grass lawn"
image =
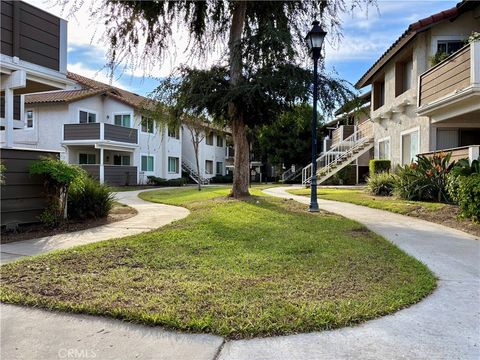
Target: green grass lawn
x,y
263,266
360,197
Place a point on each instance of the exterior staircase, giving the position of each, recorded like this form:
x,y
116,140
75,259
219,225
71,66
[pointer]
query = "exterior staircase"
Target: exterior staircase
x,y
190,169
291,174
341,154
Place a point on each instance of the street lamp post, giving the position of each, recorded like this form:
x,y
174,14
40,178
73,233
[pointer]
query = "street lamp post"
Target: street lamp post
x,y
314,41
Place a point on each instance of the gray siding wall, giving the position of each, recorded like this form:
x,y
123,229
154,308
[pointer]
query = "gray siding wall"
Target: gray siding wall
x,y
30,33
120,175
120,133
93,170
81,131
23,197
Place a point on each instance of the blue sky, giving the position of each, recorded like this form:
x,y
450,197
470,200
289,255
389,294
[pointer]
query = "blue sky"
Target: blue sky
x,y
366,35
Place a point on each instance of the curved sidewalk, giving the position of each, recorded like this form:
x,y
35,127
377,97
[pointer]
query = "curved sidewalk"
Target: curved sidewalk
x,y
150,216
445,325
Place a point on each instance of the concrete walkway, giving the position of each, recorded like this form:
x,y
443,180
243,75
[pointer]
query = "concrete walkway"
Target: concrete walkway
x,y
150,216
446,325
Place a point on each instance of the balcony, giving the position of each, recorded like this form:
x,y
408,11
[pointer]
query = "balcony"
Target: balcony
x,y
100,132
452,88
341,133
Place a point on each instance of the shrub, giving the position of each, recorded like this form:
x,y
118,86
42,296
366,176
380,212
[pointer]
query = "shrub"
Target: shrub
x,y
59,177
222,179
426,179
381,184
379,165
461,168
153,180
468,196
346,176
89,200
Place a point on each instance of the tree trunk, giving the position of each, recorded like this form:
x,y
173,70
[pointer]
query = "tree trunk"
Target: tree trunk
x,y
196,143
241,171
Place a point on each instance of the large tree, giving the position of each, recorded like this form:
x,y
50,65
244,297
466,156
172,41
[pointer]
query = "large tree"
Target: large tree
x,y
261,37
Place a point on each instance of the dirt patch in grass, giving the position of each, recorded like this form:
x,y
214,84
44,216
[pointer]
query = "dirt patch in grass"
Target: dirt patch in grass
x,y
33,231
259,267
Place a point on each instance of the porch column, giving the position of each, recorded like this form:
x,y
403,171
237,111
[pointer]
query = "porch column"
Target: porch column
x,y
102,169
9,117
473,153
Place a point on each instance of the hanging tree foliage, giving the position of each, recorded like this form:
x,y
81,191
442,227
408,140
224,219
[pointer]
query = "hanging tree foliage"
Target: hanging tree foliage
x,y
260,73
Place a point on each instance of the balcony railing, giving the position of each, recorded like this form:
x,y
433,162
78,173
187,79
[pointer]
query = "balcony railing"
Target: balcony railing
x,y
113,174
341,133
446,79
101,132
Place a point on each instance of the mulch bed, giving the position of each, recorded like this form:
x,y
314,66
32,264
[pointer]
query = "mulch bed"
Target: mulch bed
x,y
32,231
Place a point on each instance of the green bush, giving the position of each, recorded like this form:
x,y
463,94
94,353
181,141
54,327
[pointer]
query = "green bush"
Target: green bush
x,y
379,165
222,179
346,176
468,196
381,184
59,178
461,168
153,180
89,200
426,179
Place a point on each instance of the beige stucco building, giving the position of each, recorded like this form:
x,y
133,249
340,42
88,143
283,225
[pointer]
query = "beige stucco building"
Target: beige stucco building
x,y
418,106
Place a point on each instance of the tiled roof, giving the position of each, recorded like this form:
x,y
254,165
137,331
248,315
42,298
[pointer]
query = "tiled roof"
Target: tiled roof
x,y
61,96
412,30
90,87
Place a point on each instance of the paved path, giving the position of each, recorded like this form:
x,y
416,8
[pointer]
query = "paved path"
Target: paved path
x,y
150,216
446,325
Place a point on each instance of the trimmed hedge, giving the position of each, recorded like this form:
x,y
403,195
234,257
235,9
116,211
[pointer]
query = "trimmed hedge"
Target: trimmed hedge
x,y
379,165
153,180
222,179
468,196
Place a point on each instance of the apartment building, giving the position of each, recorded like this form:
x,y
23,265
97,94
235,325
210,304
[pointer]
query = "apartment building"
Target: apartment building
x,y
103,129
421,103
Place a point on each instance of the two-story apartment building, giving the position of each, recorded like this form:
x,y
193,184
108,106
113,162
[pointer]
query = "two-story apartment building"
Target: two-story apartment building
x,y
102,128
419,106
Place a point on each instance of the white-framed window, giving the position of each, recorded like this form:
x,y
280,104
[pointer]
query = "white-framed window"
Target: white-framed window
x,y
219,140
219,168
87,159
122,120
410,145
121,160
148,125
209,167
384,149
449,46
174,132
29,119
86,116
173,165
209,139
148,163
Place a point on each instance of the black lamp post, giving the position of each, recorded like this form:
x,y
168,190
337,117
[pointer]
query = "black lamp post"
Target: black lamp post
x,y
314,41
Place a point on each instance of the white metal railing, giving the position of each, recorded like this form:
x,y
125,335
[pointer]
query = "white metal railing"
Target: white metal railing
x,y
327,162
291,173
190,169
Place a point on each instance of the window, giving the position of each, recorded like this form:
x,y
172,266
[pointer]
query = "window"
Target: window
x,y
173,165
87,159
209,139
147,163
209,166
449,46
121,160
87,117
219,141
378,94
147,125
219,168
384,149
174,132
409,147
29,119
403,76
122,120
